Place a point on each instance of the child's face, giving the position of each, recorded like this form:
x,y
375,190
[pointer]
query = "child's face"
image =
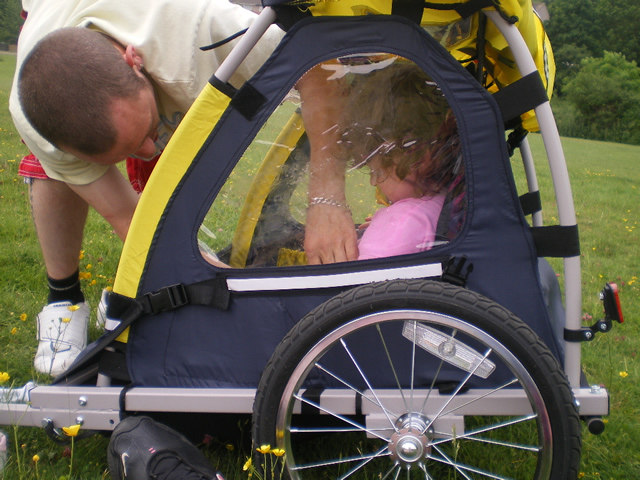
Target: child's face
x,y
388,182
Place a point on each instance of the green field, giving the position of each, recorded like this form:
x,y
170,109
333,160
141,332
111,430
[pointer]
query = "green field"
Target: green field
x,y
606,186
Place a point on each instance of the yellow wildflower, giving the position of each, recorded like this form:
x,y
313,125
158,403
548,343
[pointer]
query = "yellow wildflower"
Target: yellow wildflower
x,y
36,458
14,330
624,374
278,452
71,431
81,255
230,447
23,317
264,449
247,465
73,308
4,377
65,320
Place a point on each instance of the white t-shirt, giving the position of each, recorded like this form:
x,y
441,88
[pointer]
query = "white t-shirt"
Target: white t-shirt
x,y
167,34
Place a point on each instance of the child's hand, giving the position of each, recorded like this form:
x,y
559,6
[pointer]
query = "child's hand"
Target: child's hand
x,y
365,224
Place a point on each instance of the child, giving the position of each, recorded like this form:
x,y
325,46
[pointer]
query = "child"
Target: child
x,y
406,135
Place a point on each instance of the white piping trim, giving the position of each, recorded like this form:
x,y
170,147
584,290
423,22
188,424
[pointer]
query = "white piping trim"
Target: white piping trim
x,y
337,280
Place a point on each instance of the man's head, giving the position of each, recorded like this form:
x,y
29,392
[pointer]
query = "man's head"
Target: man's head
x,y
87,95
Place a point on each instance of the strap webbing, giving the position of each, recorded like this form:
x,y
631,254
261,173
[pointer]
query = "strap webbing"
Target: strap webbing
x,y
530,203
521,96
226,88
410,9
556,241
248,101
213,293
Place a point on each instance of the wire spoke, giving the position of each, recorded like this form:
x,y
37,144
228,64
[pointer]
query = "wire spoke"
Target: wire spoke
x,y
517,446
395,469
457,390
413,361
461,468
497,426
332,430
357,391
393,368
423,467
364,459
339,417
366,380
497,389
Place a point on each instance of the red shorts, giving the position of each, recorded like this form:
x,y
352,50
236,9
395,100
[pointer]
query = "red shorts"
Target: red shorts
x,y
138,170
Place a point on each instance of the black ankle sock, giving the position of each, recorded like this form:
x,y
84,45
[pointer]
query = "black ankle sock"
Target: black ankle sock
x,y
66,289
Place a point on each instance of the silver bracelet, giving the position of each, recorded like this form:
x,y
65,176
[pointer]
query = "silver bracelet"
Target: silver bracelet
x,y
328,201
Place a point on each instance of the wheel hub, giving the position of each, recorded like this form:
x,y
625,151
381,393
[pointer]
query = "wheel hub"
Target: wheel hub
x,y
411,442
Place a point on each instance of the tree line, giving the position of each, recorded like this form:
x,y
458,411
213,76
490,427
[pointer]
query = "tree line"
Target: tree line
x,y
10,21
596,45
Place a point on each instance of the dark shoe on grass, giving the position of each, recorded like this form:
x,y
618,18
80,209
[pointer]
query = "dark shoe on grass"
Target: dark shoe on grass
x,y
141,448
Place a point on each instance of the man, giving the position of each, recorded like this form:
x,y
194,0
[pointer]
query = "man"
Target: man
x,y
98,81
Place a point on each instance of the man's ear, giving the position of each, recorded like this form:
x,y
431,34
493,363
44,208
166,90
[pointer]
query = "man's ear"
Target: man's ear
x,y
132,58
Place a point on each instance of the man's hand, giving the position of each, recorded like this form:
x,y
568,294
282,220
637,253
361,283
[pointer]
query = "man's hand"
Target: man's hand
x,y
330,235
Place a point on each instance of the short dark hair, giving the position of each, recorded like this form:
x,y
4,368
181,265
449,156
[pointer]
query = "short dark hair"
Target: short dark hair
x,y
67,84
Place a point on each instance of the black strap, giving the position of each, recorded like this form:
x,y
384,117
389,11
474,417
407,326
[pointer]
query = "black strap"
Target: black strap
x,y
224,41
520,97
226,88
515,138
410,9
122,401
113,362
530,203
213,293
248,101
313,395
556,241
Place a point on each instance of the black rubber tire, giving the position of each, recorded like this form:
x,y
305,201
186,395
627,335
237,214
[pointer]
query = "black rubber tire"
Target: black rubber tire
x,y
473,320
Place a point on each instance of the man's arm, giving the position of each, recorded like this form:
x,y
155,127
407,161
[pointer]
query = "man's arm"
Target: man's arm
x,y
112,197
330,234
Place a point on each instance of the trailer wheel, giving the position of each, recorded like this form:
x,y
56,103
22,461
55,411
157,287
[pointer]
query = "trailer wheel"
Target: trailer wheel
x,y
414,379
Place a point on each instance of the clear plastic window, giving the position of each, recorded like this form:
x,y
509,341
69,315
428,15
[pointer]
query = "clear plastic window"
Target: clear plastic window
x,y
361,160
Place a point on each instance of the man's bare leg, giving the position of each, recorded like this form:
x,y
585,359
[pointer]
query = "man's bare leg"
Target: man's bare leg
x,y
59,215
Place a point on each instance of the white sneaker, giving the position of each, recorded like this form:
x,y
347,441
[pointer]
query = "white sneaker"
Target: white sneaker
x,y
102,321
62,335
101,313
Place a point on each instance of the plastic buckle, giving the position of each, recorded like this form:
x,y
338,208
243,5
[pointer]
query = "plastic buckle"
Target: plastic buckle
x,y
452,271
167,298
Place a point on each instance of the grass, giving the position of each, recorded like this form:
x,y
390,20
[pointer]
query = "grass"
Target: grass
x,y
606,186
